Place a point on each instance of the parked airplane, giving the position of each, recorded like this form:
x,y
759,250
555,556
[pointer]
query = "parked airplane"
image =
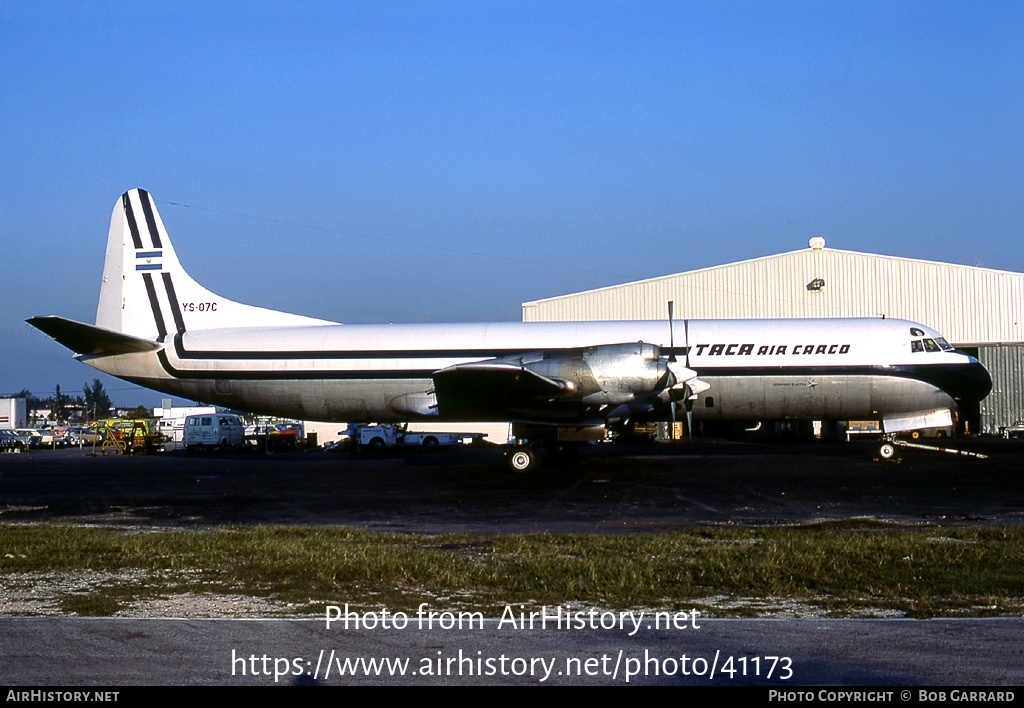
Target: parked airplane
x,y
157,327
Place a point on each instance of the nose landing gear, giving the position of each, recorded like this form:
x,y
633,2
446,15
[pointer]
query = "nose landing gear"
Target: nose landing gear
x,y
887,450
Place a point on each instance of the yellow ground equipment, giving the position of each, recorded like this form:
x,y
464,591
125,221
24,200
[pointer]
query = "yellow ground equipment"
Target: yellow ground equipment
x,y
130,437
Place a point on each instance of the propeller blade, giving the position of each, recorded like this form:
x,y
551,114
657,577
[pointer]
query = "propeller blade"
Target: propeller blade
x,y
689,424
671,333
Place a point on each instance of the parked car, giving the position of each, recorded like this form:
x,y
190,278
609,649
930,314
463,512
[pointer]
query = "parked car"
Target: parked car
x,y
10,442
47,437
30,436
1012,431
77,434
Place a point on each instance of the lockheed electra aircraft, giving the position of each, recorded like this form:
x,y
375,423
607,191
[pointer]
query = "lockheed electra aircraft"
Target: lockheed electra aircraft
x,y
157,327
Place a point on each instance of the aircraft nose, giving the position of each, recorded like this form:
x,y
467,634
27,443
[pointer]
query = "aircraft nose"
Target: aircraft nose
x,y
971,383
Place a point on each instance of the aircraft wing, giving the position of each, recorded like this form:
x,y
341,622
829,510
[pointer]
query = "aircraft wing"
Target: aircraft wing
x,y
89,340
492,385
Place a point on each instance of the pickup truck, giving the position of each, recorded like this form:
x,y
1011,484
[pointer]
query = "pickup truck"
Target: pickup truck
x,y
390,434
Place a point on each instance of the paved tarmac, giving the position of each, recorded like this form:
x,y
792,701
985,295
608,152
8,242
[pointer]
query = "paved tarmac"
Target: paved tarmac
x,y
778,653
620,490
608,489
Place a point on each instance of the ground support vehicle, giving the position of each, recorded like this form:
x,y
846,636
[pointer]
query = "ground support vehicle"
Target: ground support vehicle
x,y
870,428
273,437
130,437
391,434
214,431
1012,431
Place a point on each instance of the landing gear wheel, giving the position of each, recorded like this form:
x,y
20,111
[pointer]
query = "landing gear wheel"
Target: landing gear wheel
x,y
522,459
887,451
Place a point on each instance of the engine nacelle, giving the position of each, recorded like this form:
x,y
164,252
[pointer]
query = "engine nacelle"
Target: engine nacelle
x,y
606,374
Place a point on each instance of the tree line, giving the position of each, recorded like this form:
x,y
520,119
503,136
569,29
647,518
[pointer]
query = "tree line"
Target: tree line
x,y
94,402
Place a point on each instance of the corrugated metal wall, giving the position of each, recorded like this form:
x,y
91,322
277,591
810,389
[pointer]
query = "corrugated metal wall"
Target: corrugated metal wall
x,y
968,305
1006,402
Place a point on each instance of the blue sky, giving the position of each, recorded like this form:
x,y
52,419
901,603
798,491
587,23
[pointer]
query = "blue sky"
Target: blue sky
x,y
447,161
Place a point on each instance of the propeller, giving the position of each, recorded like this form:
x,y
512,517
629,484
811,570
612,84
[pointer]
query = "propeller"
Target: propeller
x,y
682,375
671,360
687,385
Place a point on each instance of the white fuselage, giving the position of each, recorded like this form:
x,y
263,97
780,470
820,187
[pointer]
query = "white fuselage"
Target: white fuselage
x,y
757,369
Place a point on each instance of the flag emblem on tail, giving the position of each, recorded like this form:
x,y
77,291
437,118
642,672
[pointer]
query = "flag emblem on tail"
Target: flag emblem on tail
x,y
148,260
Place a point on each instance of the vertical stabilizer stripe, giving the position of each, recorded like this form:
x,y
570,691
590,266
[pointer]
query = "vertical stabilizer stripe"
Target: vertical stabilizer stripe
x,y
130,213
147,210
154,304
172,298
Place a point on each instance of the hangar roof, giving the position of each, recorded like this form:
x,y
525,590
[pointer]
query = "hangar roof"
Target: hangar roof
x,y
969,305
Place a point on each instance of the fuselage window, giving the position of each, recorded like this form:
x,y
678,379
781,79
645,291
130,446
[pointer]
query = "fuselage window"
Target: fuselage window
x,y
944,345
709,401
931,346
916,346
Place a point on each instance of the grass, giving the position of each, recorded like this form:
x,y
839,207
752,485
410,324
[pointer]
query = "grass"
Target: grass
x,y
837,569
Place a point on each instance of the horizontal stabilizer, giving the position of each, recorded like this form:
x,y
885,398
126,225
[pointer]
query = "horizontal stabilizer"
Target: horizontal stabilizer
x,y
89,340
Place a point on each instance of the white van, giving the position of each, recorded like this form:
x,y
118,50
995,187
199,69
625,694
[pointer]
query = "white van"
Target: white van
x,y
213,430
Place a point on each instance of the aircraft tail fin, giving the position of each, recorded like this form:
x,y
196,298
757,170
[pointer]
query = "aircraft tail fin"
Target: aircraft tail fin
x,y
146,292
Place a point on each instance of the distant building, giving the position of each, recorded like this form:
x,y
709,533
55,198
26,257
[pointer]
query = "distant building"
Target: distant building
x,y
13,413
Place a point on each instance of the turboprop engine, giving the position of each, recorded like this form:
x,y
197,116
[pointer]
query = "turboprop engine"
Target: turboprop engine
x,y
606,382
610,374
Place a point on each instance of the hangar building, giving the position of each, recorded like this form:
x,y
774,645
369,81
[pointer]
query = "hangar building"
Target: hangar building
x,y
978,310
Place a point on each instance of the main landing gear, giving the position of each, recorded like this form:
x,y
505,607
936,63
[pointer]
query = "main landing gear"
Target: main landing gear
x,y
526,458
522,459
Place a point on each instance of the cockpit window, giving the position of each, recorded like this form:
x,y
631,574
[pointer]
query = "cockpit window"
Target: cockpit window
x,y
930,345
